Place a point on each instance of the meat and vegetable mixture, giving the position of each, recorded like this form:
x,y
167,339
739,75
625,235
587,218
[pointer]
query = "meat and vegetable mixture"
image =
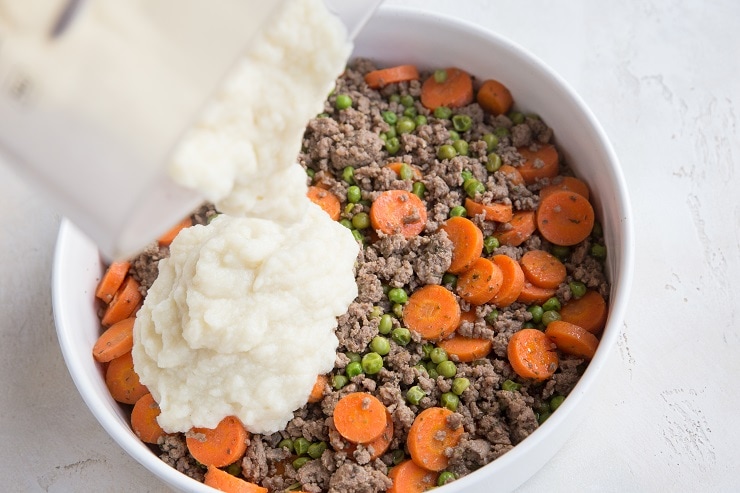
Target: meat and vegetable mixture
x,y
481,297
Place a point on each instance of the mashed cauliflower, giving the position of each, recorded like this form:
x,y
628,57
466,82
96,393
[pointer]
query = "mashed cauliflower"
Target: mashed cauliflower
x,y
241,318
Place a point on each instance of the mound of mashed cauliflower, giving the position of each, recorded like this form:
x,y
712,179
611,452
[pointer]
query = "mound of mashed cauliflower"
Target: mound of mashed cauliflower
x,y
241,318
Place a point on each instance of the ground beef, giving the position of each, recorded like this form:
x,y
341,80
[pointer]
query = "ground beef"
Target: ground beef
x,y
354,478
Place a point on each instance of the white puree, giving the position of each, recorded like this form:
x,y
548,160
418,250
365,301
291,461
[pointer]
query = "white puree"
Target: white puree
x,y
241,318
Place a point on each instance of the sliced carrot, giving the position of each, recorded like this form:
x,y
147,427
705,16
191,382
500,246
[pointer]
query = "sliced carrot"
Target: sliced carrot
x,y
511,174
378,446
430,436
167,238
572,339
391,75
398,166
467,242
589,311
398,212
455,91
512,283
144,419
492,212
317,392
543,269
480,282
466,349
532,354
542,163
360,417
219,446
112,280
569,183
534,294
494,97
407,477
565,218
124,303
223,481
122,381
118,339
518,230
326,200
432,312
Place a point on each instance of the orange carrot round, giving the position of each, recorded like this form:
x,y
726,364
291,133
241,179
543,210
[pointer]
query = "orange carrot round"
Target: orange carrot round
x,y
501,213
317,392
398,211
480,282
512,282
144,419
219,446
543,269
565,218
167,238
511,174
568,183
377,79
117,340
534,294
518,230
122,381
589,311
326,200
223,481
572,339
532,354
467,242
494,97
432,312
542,163
124,303
430,436
407,477
454,91
378,446
360,417
466,349
112,280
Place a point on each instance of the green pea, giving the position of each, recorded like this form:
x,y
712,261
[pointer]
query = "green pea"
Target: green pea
x,y
372,363
398,310
502,132
446,152
473,187
418,189
447,369
493,162
346,223
410,112
420,367
430,366
361,220
300,445
551,304
445,477
386,324
516,117
597,231
286,443
391,132
490,243
598,251
432,373
375,312
354,194
561,252
442,112
349,208
394,98
542,417
454,136
510,385
461,147
348,174
356,357
300,462
405,125
414,395
440,76
450,401
550,316
380,345
536,311
460,385
407,100
420,120
529,325
358,236
398,295
398,456
438,355
353,369
533,116
310,173
577,288
316,449
343,102
389,117
406,172
384,138
466,174
458,210
235,469
555,402
491,141
339,381
392,145
426,350
450,279
491,317
401,335
462,123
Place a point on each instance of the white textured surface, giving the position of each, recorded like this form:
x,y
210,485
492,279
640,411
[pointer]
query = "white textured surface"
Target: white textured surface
x,y
661,76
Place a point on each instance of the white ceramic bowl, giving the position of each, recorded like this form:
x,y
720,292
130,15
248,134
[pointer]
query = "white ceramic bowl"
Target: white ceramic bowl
x,y
405,36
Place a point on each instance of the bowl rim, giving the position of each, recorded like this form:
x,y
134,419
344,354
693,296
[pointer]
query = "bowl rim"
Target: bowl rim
x,y
69,237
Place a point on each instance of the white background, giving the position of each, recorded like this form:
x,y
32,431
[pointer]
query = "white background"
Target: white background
x,y
663,78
